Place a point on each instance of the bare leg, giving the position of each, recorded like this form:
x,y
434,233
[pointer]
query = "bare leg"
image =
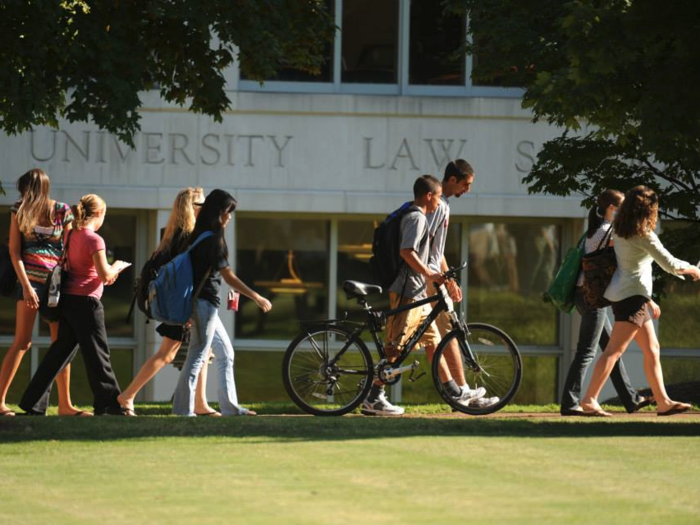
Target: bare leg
x,y
164,356
201,405
453,356
444,370
24,322
649,343
622,335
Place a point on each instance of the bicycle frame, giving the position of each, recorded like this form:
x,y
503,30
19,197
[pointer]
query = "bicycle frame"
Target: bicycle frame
x,y
375,320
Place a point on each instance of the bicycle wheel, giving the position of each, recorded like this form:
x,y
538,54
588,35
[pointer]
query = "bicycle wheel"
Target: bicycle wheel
x,y
327,372
498,366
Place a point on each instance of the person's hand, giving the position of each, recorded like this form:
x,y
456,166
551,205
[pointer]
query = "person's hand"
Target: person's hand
x,y
454,290
263,303
655,309
30,297
436,278
694,272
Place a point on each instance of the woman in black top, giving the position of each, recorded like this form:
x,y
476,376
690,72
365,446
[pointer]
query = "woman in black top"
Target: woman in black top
x,y
210,266
174,241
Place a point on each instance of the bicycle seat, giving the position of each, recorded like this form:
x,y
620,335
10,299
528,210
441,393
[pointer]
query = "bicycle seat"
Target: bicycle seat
x,y
355,289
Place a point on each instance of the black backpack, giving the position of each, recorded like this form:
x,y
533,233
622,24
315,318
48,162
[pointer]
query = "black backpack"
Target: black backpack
x,y
148,273
386,260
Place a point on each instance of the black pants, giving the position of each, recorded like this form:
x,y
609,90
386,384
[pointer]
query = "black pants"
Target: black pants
x,y
595,330
82,322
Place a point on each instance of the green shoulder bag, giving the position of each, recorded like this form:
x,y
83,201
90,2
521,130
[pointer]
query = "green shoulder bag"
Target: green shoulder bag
x,y
561,291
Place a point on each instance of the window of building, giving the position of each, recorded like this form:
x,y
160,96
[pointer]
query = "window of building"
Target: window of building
x,y
370,40
510,265
285,260
680,308
402,47
7,304
434,40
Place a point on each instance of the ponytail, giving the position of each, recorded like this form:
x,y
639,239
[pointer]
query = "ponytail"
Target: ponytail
x,y
596,215
87,207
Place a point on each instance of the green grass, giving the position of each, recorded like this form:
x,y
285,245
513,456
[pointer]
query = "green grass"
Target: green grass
x,y
418,469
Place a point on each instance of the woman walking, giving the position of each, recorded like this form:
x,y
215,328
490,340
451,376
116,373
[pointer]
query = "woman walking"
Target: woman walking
x,y
636,246
81,315
174,241
210,265
37,227
595,325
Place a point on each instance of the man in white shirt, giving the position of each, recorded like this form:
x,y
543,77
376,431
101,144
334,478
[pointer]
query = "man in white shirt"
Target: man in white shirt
x,y
457,180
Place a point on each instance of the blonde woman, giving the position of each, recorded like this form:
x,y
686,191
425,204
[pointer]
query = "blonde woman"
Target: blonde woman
x,y
81,313
636,247
37,227
174,241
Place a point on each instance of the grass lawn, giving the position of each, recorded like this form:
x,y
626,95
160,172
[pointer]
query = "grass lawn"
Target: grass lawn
x,y
296,469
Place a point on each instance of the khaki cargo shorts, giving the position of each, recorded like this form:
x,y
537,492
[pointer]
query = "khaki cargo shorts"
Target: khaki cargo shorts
x,y
401,326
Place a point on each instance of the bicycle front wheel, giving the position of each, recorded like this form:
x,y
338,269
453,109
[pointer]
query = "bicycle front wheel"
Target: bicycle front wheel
x,y
327,372
496,366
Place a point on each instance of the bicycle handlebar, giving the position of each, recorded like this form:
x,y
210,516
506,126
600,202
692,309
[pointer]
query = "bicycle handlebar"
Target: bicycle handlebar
x,y
452,272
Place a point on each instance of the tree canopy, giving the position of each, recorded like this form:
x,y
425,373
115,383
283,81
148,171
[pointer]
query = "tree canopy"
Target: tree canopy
x,y
81,60
620,77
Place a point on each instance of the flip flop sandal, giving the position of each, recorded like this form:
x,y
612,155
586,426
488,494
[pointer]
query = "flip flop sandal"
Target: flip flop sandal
x,y
597,413
212,414
675,409
8,413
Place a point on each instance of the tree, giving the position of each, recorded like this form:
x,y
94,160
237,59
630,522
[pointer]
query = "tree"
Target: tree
x,y
620,77
82,60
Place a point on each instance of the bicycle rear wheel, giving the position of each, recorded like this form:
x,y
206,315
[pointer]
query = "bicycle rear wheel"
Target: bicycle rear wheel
x,y
327,372
498,366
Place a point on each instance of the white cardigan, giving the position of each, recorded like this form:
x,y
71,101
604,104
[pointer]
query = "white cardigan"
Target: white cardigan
x,y
634,257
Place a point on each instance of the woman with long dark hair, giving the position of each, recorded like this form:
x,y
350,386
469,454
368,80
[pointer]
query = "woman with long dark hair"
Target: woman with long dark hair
x,y
636,247
174,241
595,326
37,229
210,266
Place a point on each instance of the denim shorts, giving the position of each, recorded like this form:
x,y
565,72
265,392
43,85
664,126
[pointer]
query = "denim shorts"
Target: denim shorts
x,y
50,315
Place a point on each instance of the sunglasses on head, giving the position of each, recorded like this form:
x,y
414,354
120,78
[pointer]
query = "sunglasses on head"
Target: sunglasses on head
x,y
198,204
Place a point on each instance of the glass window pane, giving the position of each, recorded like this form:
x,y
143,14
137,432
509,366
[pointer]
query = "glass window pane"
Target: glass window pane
x,y
119,233
680,309
370,43
285,260
354,252
7,304
434,41
510,266
288,74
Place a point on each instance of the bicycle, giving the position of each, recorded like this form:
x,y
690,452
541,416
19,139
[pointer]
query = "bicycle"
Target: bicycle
x,y
328,369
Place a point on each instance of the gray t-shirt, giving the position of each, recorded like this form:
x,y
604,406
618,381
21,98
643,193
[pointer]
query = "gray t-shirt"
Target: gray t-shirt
x,y
414,226
438,221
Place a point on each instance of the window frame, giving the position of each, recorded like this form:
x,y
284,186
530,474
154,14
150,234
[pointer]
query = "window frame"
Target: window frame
x,y
401,88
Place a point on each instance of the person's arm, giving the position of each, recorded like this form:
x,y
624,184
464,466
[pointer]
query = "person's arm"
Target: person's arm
x,y
15,249
238,285
668,262
452,286
107,273
411,258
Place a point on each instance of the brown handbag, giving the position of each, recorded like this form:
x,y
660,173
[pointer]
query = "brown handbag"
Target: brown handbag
x,y
598,269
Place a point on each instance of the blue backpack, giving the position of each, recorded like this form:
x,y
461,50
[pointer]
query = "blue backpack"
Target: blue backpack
x,y
171,294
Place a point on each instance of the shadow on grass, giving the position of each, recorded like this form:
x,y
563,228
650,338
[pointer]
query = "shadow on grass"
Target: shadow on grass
x,y
27,429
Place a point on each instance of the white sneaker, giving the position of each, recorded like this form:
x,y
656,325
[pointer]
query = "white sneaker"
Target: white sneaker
x,y
484,402
467,395
380,407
